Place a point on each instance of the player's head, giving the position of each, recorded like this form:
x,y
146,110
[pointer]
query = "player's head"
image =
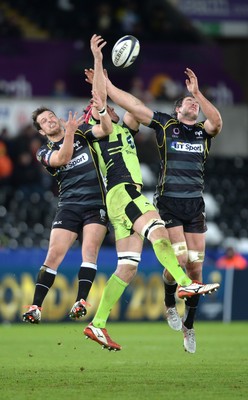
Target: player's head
x,y
36,113
45,121
186,107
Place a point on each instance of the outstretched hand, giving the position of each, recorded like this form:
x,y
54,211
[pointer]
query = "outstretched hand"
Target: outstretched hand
x,y
89,73
72,124
191,82
96,45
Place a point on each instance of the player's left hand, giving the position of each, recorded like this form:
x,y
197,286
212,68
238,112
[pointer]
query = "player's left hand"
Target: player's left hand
x,y
73,122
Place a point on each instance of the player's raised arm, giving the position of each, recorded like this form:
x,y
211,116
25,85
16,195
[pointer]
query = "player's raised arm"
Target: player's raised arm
x,y
213,123
99,81
63,156
105,127
49,125
132,104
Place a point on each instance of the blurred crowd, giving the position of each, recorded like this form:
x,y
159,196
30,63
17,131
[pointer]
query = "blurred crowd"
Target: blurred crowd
x,y
18,165
154,20
72,19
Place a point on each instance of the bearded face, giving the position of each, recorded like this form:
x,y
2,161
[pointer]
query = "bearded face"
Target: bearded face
x,y
189,110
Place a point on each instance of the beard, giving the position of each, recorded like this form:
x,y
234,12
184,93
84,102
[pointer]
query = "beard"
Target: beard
x,y
191,115
56,131
56,134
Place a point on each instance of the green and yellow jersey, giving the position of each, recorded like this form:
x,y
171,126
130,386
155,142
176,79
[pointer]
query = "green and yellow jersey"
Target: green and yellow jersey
x,y
118,158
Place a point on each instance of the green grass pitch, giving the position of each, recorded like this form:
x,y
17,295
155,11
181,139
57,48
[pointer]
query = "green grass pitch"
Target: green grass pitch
x,y
55,362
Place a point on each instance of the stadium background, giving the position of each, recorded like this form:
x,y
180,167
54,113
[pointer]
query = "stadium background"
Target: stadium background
x,y
42,58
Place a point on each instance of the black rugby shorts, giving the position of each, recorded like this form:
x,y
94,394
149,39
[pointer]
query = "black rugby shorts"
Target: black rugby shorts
x,y
74,218
189,213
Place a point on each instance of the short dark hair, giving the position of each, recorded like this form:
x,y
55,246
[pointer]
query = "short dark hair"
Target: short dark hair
x,y
178,103
36,113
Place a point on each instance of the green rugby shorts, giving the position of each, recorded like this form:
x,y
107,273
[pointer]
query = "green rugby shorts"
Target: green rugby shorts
x,y
125,204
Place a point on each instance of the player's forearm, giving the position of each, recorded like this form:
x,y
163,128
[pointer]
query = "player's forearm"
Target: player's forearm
x,y
130,103
99,81
209,111
65,153
121,98
106,123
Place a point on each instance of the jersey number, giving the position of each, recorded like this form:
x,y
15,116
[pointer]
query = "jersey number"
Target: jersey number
x,y
119,143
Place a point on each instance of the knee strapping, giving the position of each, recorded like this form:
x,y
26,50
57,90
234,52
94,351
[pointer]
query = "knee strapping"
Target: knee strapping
x,y
196,256
180,248
129,257
151,226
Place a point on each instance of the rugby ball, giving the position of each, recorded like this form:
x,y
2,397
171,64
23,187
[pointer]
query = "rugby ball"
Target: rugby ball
x,y
125,51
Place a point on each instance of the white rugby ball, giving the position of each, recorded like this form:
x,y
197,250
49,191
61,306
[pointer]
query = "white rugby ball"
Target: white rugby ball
x,y
125,51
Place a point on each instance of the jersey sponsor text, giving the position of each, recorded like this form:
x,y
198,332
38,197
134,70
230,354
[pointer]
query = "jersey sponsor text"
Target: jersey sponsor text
x,y
192,148
81,159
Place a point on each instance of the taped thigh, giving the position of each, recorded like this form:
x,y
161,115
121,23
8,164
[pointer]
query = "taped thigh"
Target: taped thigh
x,y
180,248
196,256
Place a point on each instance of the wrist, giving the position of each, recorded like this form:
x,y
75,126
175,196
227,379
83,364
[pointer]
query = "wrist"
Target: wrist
x,y
196,93
102,112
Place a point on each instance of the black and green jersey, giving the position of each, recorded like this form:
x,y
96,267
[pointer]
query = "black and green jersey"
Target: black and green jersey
x,y
80,180
183,151
118,157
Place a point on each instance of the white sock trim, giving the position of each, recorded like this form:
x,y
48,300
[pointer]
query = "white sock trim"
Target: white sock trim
x,y
49,270
89,265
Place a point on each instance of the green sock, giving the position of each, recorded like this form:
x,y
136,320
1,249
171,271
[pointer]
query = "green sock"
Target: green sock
x,y
111,294
166,256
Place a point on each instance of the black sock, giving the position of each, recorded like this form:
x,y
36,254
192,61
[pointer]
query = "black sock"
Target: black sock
x,y
170,290
190,311
86,276
44,282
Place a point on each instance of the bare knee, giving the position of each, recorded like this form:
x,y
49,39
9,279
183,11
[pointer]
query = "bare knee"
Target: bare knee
x,y
90,252
126,272
54,257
